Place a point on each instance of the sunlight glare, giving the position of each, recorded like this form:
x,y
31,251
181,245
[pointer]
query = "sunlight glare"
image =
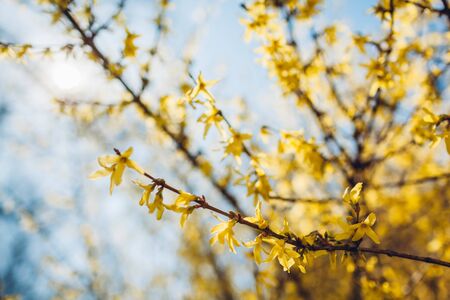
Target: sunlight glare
x,y
65,76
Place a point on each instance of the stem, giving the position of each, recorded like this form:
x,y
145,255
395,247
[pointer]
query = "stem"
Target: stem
x,y
305,200
404,182
392,253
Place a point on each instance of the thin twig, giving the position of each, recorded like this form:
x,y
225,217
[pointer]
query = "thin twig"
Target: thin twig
x,y
305,200
405,182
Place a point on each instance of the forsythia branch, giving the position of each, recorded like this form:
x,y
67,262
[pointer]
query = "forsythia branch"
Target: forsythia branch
x,y
291,238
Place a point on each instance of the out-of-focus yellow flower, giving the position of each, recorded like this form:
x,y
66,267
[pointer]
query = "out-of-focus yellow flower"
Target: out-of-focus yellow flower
x,y
115,165
429,127
360,42
285,230
157,204
201,87
352,196
224,233
130,48
235,144
184,199
260,21
210,118
148,189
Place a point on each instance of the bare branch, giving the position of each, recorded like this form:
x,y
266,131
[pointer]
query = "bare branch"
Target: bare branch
x,y
405,182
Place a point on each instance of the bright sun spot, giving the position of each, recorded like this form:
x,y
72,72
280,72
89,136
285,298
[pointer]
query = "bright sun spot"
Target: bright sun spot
x,y
65,76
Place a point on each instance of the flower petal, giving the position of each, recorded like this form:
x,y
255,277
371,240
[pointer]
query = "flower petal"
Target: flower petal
x,y
118,172
133,165
128,152
108,160
372,235
371,219
358,234
99,173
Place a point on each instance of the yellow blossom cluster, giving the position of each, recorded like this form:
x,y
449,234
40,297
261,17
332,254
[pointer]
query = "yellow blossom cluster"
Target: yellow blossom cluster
x,y
428,127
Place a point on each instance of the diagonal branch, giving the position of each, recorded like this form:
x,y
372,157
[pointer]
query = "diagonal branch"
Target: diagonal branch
x,y
292,239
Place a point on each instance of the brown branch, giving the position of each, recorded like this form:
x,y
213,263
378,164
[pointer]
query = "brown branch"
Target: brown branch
x,y
305,200
291,238
109,21
392,253
405,182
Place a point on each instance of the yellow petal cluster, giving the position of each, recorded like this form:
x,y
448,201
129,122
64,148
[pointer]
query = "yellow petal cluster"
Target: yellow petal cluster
x,y
224,234
258,218
352,196
284,252
114,165
130,48
357,231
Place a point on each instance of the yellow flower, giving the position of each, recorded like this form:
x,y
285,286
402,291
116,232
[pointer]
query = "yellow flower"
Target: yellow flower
x,y
307,152
330,34
259,21
360,42
352,196
262,184
284,252
359,230
157,204
365,228
440,127
429,127
300,263
201,87
285,230
258,218
184,211
235,144
210,118
257,182
115,165
224,233
148,189
184,199
429,117
130,48
257,248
